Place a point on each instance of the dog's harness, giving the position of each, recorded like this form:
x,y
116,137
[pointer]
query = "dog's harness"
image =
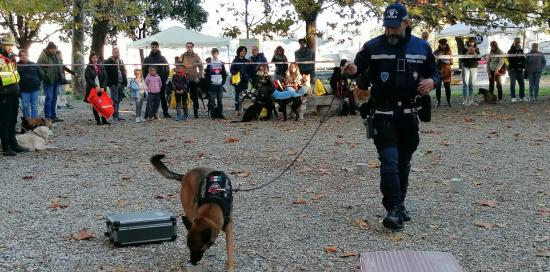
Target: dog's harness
x,y
217,189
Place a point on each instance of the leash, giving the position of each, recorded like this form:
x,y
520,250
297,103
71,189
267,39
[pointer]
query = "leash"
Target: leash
x,y
323,120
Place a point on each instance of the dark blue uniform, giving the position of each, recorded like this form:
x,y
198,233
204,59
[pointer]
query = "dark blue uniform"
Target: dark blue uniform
x,y
394,73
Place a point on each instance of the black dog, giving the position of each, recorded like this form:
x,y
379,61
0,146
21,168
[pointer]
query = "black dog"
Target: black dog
x,y
296,103
488,97
260,101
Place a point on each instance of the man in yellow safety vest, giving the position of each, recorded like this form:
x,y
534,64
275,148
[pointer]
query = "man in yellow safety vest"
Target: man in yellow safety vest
x,y
9,96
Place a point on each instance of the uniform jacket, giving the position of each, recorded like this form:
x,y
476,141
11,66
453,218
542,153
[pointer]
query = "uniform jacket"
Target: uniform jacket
x,y
394,72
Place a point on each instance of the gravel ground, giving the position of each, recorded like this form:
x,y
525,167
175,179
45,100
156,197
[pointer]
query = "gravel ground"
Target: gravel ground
x,y
501,151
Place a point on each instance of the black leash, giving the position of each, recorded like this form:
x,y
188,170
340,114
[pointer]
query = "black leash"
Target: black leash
x,y
323,120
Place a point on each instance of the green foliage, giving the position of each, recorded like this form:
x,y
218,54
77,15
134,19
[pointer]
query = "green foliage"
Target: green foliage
x,y
23,18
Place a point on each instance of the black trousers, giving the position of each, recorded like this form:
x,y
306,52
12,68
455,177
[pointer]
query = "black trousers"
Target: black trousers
x,y
8,119
98,119
447,86
395,139
163,102
194,92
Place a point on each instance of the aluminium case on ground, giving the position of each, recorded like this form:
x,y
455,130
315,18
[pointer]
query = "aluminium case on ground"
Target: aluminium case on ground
x,y
141,227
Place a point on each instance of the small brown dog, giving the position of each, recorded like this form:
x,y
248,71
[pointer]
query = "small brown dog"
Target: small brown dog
x,y
206,198
32,123
488,97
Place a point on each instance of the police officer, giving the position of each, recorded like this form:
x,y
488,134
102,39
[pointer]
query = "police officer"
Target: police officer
x,y
9,96
399,68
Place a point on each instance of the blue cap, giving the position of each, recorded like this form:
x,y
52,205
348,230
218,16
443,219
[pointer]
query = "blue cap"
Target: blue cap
x,y
395,14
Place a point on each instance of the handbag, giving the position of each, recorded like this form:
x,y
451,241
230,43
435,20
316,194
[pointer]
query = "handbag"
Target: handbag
x,y
236,78
173,102
101,102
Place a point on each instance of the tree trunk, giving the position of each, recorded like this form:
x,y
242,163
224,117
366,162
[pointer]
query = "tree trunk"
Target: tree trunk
x,y
311,36
246,23
78,81
99,36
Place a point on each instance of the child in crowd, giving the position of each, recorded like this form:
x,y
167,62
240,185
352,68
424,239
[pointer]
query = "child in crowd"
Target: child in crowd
x,y
216,74
154,83
139,93
179,85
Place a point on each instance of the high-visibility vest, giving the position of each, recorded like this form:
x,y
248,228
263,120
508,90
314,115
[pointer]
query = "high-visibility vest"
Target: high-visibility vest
x,y
8,72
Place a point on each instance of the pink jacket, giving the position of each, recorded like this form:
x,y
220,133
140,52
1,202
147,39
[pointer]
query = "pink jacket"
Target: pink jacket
x,y
154,83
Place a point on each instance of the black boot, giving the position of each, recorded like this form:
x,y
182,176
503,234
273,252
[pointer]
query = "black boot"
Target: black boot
x,y
404,213
8,151
196,113
17,148
393,219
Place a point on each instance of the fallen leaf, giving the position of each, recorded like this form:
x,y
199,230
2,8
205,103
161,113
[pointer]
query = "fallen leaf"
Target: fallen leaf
x,y
543,252
477,182
469,120
500,225
121,202
417,169
487,203
349,253
331,249
396,237
445,143
542,238
426,131
126,178
361,223
83,234
28,177
191,141
338,142
485,225
299,201
292,152
474,151
57,205
318,196
436,157
239,173
544,211
373,164
231,140
324,171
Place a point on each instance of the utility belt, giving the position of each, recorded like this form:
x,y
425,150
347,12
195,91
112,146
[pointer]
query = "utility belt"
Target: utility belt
x,y
420,108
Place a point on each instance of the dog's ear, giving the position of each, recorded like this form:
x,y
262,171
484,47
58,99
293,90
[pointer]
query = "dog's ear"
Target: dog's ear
x,y
186,222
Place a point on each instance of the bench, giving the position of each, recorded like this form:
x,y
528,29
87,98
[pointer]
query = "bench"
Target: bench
x,y
319,104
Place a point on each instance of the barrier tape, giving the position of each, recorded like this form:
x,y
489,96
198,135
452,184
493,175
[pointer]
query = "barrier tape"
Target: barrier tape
x,y
481,56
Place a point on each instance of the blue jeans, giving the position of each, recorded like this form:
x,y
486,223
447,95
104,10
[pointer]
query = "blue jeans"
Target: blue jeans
x,y
117,93
30,104
469,77
395,141
516,75
50,104
534,81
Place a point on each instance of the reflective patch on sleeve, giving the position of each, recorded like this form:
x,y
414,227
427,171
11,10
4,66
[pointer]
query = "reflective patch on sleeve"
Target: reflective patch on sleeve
x,y
416,57
382,56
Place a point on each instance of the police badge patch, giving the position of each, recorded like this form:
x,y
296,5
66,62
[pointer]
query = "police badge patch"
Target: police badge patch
x,y
384,76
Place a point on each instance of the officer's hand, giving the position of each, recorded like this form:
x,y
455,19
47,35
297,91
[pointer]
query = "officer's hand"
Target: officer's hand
x,y
426,86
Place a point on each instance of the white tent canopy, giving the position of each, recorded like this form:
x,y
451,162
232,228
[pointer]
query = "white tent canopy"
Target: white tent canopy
x,y
176,37
466,30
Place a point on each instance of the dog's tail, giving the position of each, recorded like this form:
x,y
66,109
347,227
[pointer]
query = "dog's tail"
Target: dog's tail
x,y
162,169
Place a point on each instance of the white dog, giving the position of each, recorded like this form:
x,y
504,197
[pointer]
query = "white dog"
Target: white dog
x,y
36,139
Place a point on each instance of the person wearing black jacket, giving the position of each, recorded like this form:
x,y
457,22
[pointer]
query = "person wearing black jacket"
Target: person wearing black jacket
x,y
29,85
239,66
117,81
469,68
96,77
155,57
340,83
216,74
516,69
264,84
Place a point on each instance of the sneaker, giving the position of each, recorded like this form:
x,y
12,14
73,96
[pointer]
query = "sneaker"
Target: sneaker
x,y
526,99
393,219
514,100
404,213
138,120
142,119
465,101
57,119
